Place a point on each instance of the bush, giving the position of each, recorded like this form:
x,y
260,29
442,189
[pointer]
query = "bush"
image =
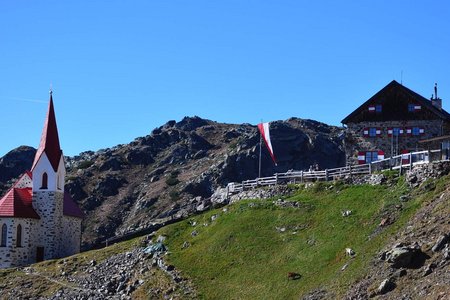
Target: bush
x,y
174,195
171,181
85,164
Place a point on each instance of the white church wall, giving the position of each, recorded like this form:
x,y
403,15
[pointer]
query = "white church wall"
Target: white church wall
x,y
44,166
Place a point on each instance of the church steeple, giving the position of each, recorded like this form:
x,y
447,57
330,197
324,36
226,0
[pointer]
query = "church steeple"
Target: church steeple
x,y
49,140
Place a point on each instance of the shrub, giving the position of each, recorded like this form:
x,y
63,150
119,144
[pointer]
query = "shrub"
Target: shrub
x,y
171,181
174,195
85,164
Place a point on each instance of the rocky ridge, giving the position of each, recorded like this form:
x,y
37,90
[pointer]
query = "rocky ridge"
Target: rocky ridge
x,y
176,169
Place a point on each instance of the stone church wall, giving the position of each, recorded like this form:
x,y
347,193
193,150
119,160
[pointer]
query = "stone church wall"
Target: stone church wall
x,y
11,255
71,236
48,205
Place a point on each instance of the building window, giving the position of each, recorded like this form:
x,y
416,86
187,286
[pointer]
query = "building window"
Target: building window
x,y
378,108
396,131
375,108
19,236
414,107
4,235
417,131
371,156
44,181
372,132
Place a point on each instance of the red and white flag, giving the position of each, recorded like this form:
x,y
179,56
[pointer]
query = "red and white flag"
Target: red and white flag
x,y
265,133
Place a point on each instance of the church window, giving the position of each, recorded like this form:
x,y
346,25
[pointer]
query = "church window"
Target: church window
x,y
44,181
19,236
4,235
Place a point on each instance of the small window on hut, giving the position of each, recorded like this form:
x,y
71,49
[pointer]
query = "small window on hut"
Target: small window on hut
x,y
414,107
378,108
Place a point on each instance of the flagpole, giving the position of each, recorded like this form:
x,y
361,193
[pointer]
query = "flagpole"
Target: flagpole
x,y
260,143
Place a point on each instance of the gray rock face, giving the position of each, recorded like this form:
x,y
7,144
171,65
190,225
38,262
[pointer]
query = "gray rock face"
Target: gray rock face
x,y
401,256
15,163
440,243
419,174
127,183
386,286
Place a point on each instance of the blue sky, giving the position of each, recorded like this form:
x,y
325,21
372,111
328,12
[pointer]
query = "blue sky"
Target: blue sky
x,y
119,69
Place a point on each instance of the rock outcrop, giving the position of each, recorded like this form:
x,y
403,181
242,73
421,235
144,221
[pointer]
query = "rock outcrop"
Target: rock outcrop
x,y
13,164
175,169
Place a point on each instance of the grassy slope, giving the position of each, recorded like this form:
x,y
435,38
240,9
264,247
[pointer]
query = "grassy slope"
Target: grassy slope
x,y
242,255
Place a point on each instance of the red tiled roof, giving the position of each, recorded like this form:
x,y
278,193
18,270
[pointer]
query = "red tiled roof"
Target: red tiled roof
x,y
70,208
17,203
49,139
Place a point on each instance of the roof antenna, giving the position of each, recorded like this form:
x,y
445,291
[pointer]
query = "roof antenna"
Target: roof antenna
x,y
401,78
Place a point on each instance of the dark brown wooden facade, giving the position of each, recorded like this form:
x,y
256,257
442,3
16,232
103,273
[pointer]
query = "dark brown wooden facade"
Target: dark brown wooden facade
x,y
391,122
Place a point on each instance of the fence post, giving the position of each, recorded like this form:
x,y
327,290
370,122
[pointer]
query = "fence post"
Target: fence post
x,y
429,156
370,168
276,178
350,170
326,174
410,161
301,176
243,187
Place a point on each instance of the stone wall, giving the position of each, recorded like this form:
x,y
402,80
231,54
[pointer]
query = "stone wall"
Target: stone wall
x,y
71,237
355,140
48,234
11,255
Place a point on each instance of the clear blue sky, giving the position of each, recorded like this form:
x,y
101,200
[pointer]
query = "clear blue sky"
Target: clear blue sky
x,y
121,68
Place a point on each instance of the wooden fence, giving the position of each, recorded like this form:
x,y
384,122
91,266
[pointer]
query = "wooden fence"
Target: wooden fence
x,y
400,162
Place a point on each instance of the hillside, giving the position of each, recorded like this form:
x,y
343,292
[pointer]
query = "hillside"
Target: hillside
x,y
398,230
174,170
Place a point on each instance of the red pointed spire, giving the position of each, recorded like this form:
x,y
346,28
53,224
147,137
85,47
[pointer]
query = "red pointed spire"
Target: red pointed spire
x,y
49,139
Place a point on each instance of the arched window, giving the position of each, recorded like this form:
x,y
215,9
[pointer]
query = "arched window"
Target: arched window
x,y
44,181
19,236
4,235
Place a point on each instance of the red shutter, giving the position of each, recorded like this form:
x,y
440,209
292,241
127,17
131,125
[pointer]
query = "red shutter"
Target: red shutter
x,y
390,131
405,158
378,132
366,132
361,157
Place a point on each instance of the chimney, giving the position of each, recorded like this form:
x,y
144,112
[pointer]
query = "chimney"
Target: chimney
x,y
437,102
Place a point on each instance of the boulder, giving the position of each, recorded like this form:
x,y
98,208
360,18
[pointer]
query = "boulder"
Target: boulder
x,y
440,243
406,257
386,286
